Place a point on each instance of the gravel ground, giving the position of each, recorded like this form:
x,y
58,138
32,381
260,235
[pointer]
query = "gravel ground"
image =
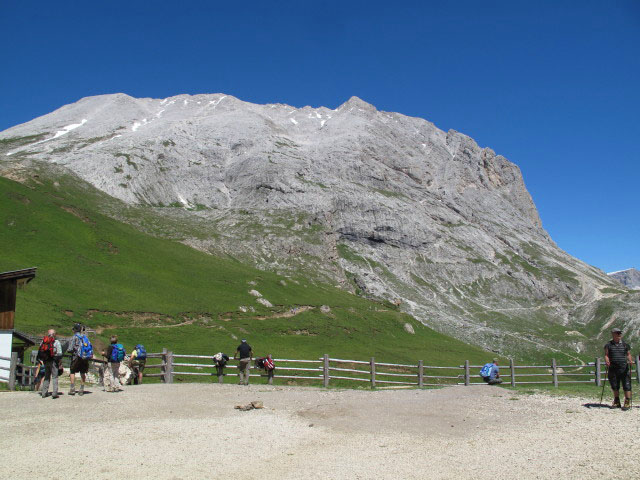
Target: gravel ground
x,y
193,431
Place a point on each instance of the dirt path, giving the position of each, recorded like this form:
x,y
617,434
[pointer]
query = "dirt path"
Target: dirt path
x,y
190,321
192,431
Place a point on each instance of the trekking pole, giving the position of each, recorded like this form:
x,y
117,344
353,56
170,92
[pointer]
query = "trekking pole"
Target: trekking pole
x,y
630,382
606,375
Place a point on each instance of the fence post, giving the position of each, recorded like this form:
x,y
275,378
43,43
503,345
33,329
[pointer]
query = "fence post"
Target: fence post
x,y
512,367
220,373
420,374
598,373
373,372
13,366
326,370
169,373
467,376
163,369
638,368
554,372
270,377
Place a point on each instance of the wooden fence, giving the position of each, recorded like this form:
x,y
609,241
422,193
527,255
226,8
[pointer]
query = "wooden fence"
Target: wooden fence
x,y
379,374
168,365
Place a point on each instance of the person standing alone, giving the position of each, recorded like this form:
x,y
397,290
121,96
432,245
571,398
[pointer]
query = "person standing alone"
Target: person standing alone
x,y
617,356
244,365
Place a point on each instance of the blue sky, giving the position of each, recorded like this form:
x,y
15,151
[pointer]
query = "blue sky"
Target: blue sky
x,y
551,85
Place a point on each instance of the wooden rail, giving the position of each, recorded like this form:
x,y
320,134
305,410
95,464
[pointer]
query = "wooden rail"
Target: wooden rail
x,y
419,375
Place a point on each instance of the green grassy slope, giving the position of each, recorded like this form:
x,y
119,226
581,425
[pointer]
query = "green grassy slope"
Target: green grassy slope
x,y
117,280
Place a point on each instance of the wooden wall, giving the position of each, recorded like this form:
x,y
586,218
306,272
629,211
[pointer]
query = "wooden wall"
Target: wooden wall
x,y
8,290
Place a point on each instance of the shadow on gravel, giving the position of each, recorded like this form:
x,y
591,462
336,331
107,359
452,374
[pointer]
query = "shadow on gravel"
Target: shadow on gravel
x,y
596,405
603,405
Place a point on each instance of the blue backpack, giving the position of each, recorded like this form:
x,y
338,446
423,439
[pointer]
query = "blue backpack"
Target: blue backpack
x,y
86,349
117,354
486,370
142,353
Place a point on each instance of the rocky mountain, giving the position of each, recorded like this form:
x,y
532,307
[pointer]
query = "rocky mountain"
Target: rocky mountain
x,y
383,204
630,278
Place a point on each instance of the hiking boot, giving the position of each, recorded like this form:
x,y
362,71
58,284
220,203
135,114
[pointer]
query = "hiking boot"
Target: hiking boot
x,y
81,392
55,395
616,403
627,404
72,391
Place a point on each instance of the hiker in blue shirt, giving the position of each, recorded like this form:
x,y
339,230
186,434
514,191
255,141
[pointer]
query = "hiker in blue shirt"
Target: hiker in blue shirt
x,y
490,373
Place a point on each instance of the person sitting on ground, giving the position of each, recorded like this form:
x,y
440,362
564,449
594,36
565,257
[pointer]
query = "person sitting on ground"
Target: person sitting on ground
x,y
490,373
81,351
114,355
137,362
50,352
244,365
617,356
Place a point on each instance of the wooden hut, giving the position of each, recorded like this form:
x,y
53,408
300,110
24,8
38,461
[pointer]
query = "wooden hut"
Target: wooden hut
x,y
9,283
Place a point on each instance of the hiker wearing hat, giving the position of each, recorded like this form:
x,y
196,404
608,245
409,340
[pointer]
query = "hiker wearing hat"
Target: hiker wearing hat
x,y
490,372
81,352
617,356
244,365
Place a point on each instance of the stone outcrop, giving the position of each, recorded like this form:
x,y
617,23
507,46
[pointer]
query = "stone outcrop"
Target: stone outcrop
x,y
630,278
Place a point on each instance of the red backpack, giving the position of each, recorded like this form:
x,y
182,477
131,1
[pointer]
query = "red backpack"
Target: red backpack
x,y
268,364
47,350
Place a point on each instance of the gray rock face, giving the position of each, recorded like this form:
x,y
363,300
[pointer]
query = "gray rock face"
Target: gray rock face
x,y
629,278
383,204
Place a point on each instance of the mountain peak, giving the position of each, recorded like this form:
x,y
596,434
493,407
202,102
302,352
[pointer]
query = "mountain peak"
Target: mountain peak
x,y
356,102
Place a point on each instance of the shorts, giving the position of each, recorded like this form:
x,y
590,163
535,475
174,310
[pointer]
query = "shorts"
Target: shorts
x,y
79,365
620,374
492,380
139,365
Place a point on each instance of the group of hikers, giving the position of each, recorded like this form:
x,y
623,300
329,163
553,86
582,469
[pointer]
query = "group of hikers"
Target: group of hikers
x,y
617,357
50,355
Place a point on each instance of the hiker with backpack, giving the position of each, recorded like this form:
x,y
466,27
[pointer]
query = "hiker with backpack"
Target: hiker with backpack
x,y
490,372
114,355
244,365
81,352
220,361
269,366
50,352
617,356
137,362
